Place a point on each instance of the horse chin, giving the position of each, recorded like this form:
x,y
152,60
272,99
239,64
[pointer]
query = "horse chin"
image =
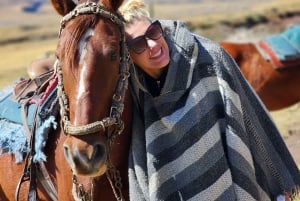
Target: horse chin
x,y
85,159
91,170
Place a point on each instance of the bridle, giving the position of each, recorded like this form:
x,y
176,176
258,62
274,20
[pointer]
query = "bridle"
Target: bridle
x,y
118,97
117,104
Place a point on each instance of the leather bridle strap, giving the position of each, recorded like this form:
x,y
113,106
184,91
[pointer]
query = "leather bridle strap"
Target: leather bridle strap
x,y
34,170
45,180
25,177
29,172
90,8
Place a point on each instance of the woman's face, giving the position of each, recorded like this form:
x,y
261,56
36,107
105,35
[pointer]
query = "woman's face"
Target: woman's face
x,y
155,54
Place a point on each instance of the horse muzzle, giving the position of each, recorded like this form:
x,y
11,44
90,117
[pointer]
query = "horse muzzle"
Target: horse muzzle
x,y
85,159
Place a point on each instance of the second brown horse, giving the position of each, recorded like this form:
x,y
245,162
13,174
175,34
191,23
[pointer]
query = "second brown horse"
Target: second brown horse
x,y
277,87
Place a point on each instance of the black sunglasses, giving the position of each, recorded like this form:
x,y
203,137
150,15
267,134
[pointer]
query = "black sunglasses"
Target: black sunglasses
x,y
139,44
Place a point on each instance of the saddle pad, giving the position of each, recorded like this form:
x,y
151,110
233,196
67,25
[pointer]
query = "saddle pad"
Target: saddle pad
x,y
293,35
12,134
11,110
283,49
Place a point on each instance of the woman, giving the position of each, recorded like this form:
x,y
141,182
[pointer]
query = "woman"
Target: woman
x,y
199,132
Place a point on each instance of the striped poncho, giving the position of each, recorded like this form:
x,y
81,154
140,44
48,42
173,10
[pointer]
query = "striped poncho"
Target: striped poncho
x,y
206,136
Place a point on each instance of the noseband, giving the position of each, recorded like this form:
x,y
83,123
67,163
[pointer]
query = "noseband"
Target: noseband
x,y
118,97
117,104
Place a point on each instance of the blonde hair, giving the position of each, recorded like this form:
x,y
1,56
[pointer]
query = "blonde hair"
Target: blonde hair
x,y
134,10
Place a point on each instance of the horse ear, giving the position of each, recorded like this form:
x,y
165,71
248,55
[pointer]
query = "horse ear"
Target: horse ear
x,y
63,7
116,4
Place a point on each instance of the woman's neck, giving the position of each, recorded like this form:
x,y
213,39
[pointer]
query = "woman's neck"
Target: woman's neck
x,y
155,73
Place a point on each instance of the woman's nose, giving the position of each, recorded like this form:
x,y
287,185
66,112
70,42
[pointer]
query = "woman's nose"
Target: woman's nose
x,y
151,43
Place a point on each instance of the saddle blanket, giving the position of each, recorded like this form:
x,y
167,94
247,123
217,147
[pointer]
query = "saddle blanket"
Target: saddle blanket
x,y
13,137
283,49
11,110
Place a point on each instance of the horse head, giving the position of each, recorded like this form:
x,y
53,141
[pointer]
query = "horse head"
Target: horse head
x,y
92,67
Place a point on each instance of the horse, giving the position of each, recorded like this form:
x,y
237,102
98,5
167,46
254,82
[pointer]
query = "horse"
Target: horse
x,y
87,154
278,88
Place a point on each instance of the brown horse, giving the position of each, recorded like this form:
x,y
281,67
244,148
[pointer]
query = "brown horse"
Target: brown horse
x,y
87,154
277,87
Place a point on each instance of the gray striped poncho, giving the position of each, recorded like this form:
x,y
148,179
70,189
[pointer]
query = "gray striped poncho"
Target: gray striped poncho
x,y
207,136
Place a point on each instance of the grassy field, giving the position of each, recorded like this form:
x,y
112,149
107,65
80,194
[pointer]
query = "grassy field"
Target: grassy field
x,y
16,57
222,10
37,35
26,37
211,13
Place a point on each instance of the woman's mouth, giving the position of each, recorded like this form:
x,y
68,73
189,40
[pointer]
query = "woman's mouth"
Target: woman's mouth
x,y
156,54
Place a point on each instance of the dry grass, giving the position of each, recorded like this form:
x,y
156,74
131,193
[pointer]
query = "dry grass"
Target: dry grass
x,y
288,120
16,57
209,13
25,37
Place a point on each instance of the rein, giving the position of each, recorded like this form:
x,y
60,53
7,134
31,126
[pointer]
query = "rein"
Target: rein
x,y
117,105
26,93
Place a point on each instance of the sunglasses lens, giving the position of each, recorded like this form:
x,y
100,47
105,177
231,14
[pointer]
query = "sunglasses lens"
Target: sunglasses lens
x,y
139,44
154,32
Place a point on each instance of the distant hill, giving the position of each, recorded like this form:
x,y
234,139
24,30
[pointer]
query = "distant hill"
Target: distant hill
x,y
173,1
5,3
30,6
196,1
198,13
8,3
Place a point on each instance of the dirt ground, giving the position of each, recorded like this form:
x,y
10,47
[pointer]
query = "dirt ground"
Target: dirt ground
x,y
293,144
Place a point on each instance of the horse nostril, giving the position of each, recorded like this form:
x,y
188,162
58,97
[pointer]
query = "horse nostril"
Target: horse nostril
x,y
66,151
99,152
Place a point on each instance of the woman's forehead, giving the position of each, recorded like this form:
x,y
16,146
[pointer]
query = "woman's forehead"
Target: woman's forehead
x,y
137,28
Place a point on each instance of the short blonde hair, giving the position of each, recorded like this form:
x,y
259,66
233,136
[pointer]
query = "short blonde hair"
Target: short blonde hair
x,y
134,10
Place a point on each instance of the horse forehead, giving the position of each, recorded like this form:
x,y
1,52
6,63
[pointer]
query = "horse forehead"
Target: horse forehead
x,y
107,29
83,44
99,43
104,33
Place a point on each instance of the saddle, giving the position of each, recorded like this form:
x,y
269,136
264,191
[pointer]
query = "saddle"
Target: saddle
x,y
283,49
25,95
34,100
